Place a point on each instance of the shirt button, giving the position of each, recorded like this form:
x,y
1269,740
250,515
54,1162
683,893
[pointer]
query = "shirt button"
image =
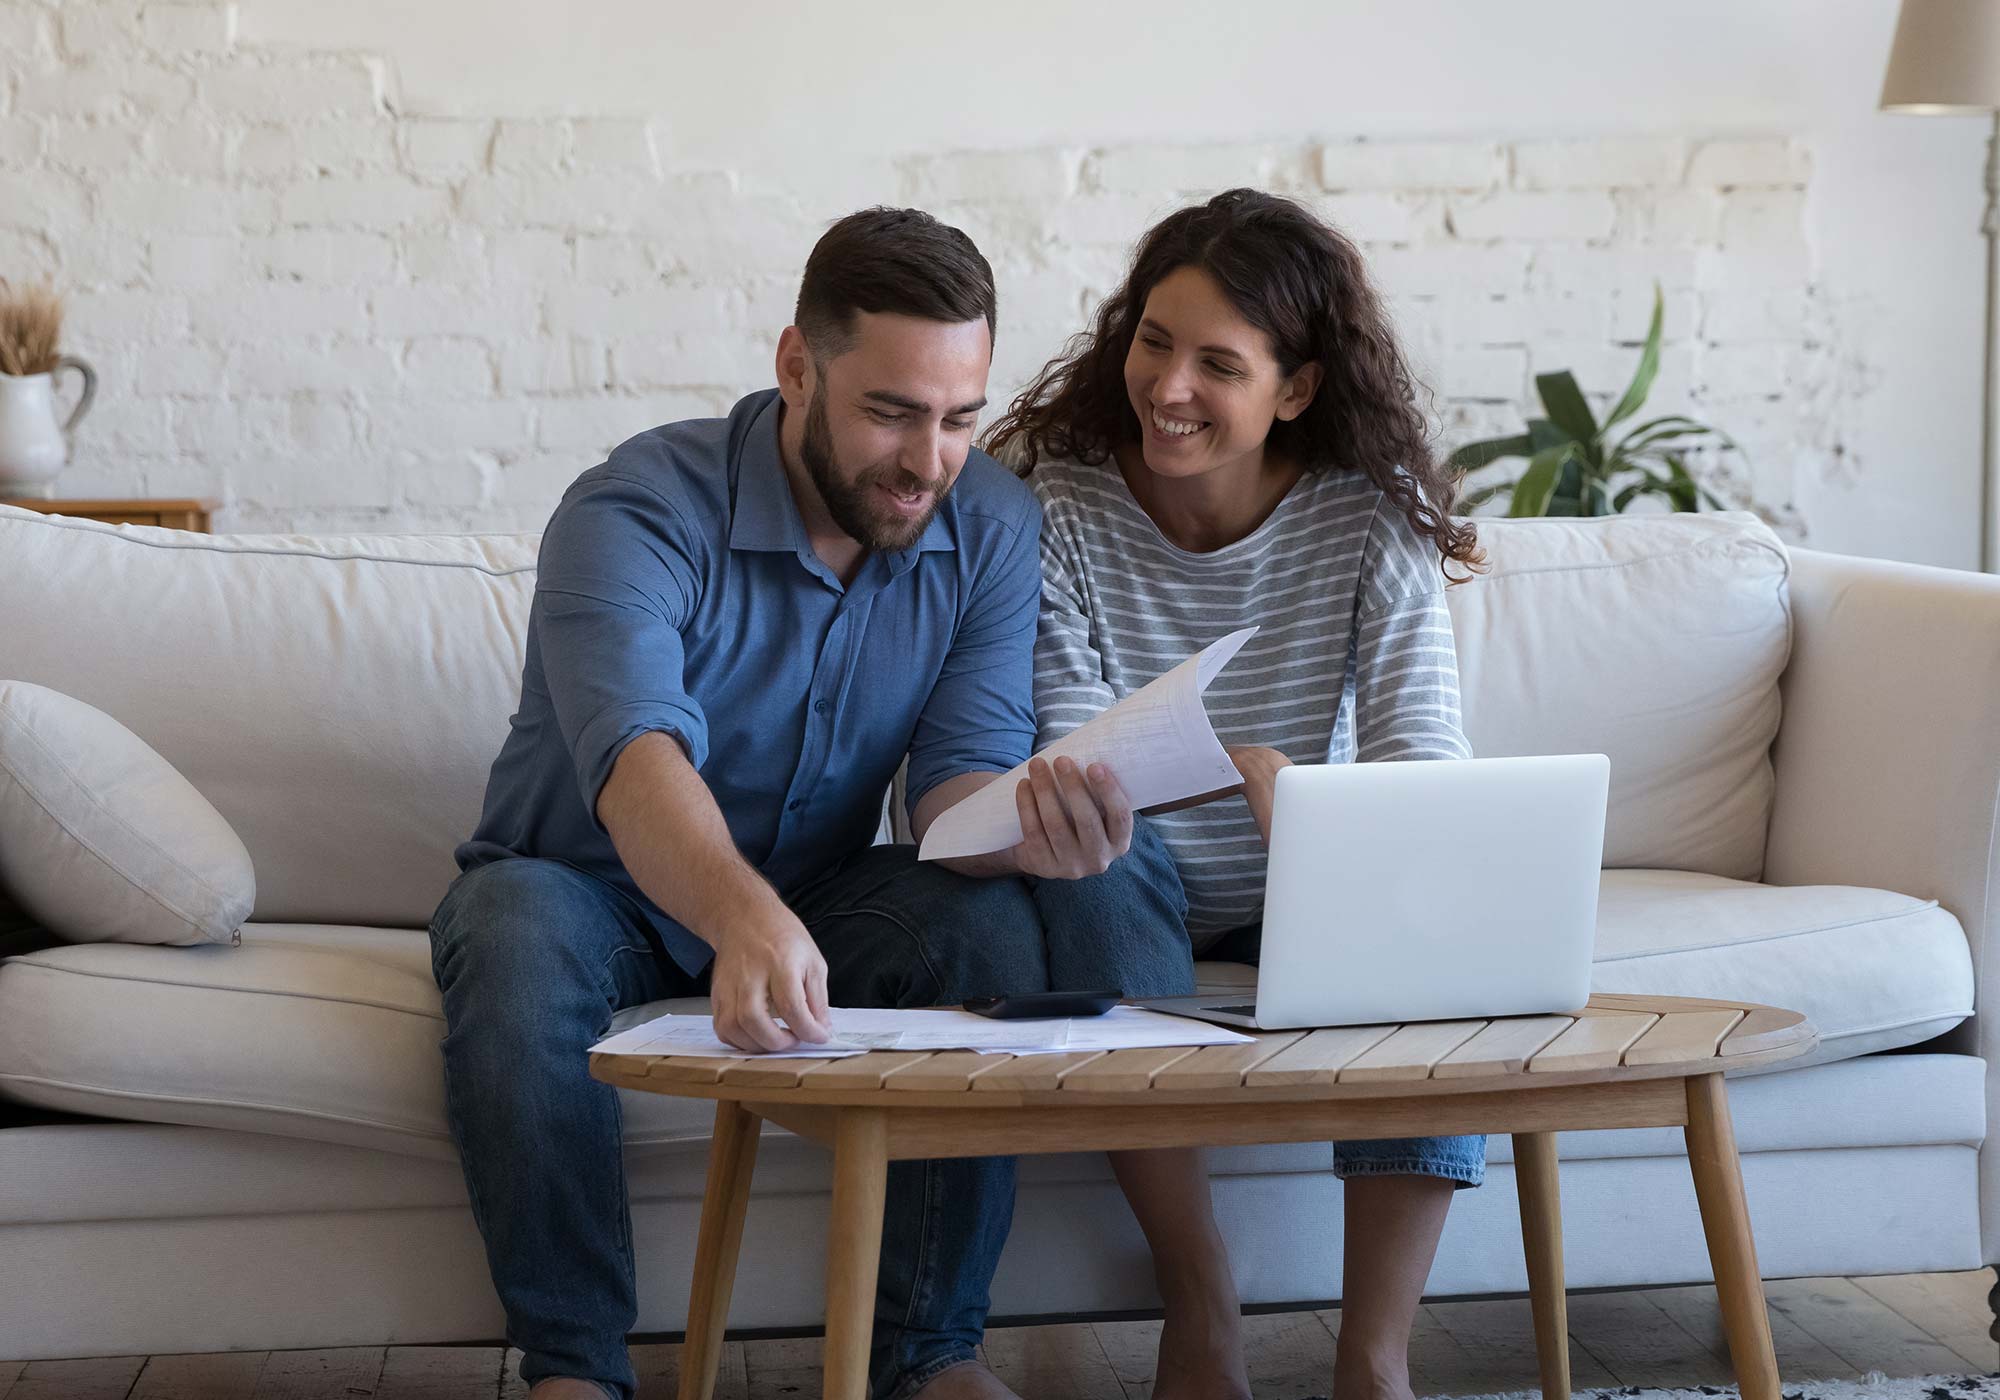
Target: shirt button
x,y
819,707
794,805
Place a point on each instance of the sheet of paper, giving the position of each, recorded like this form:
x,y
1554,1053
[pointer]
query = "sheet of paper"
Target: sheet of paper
x,y
858,1030
1157,740
695,1035
1134,1027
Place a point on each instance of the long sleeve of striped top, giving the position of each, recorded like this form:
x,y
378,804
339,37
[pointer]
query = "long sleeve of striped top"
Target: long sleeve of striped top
x,y
1354,659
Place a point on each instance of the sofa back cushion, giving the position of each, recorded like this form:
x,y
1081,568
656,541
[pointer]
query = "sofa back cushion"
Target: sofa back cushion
x,y
1656,639
338,699
341,698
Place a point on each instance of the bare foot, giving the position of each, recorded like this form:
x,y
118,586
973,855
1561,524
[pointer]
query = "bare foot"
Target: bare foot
x,y
972,1381
1201,1343
567,1388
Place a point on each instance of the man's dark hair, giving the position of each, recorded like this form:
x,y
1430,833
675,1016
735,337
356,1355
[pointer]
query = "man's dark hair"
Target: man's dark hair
x,y
901,261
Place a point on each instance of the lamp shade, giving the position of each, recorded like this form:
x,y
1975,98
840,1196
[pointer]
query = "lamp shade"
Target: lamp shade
x,y
1946,58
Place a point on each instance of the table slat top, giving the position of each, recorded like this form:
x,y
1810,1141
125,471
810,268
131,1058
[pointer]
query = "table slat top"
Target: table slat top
x,y
1615,1036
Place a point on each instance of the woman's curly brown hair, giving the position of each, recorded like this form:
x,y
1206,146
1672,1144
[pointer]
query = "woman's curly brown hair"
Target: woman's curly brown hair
x,y
1304,285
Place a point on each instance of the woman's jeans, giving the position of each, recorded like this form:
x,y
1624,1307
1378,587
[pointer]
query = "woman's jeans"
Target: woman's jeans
x,y
534,957
1127,928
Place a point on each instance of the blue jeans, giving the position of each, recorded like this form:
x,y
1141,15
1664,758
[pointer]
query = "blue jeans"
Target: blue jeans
x,y
1127,928
534,957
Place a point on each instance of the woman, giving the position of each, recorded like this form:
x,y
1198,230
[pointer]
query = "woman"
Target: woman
x,y
1237,441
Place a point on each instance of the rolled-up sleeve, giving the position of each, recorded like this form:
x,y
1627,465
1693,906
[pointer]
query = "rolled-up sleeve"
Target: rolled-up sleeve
x,y
980,716
617,583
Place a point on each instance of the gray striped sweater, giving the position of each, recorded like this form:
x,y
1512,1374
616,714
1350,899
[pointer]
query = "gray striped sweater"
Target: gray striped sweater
x,y
1355,659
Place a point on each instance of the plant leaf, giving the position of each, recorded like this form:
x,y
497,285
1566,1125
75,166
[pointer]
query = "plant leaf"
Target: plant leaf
x,y
1681,489
1570,483
1538,483
1542,433
1475,455
1565,404
1649,367
1636,445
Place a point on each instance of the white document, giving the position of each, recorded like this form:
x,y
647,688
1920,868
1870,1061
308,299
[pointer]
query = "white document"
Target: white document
x,y
858,1030
1157,741
1134,1027
695,1035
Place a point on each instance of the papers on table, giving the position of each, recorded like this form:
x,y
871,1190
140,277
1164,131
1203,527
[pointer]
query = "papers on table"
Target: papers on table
x,y
1157,740
858,1030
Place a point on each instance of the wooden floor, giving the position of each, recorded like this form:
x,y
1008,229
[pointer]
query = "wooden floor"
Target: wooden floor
x,y
1826,1329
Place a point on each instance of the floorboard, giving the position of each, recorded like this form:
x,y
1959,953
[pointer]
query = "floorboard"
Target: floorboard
x,y
1801,1356
1499,1337
229,1375
1641,1344
1950,1307
1132,1348
441,1373
1860,1329
103,1378
337,1373
1824,1329
1064,1359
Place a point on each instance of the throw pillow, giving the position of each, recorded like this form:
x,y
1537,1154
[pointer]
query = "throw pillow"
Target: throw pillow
x,y
101,840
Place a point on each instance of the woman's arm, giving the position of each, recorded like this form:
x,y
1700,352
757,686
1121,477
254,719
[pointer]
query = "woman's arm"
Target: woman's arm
x,y
1405,658
1259,767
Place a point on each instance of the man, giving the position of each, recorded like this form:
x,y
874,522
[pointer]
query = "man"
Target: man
x,y
741,626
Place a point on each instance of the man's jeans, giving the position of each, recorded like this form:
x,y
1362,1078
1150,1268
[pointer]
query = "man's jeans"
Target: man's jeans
x,y
1127,928
534,957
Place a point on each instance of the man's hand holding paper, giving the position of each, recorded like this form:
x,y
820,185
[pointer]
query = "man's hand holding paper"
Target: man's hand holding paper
x,y
1154,747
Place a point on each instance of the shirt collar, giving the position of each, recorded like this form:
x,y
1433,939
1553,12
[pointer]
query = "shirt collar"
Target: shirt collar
x,y
766,517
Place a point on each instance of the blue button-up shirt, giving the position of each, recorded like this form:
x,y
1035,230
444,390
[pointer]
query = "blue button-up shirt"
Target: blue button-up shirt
x,y
678,592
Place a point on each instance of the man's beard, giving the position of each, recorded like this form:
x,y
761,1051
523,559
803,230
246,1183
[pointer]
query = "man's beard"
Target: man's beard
x,y
852,504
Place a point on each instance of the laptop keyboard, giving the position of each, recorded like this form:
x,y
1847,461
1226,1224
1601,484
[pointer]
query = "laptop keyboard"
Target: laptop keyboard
x,y
1233,1010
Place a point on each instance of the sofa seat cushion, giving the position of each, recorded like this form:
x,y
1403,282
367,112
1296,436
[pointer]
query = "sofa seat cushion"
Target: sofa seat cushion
x,y
1871,969
313,1031
331,1033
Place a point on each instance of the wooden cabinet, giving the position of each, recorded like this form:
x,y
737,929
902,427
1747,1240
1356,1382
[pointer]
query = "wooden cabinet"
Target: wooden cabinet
x,y
174,515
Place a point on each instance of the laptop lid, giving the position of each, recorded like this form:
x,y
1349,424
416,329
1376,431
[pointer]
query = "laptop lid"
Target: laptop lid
x,y
1431,889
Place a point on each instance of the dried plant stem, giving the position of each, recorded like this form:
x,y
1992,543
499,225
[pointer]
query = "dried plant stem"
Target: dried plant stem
x,y
30,321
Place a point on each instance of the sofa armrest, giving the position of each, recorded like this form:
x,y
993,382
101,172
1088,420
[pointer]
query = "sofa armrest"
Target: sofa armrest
x,y
1888,766
1888,754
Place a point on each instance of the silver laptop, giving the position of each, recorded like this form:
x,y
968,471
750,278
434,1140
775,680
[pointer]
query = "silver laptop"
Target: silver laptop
x,y
1425,890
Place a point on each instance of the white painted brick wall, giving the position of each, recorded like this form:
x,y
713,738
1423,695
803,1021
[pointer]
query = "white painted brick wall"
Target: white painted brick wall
x,y
326,314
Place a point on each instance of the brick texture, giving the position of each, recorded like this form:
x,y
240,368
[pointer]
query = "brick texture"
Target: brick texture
x,y
327,314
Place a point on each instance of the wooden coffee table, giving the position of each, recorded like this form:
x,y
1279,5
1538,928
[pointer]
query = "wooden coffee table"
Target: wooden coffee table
x,y
1622,1062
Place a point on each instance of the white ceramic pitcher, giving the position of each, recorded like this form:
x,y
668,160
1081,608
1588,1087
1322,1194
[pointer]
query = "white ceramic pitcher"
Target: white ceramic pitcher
x,y
34,445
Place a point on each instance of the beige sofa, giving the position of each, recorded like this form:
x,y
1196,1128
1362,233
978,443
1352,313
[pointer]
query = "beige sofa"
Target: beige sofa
x,y
225,1147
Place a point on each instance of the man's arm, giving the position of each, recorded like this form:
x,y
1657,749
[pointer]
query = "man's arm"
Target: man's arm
x,y
673,841
620,572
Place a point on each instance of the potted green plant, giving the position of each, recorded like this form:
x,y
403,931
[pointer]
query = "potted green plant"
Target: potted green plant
x,y
1578,466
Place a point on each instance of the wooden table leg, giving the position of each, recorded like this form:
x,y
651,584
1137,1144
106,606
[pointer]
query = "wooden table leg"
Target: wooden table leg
x,y
732,1156
854,1247
1541,1240
1732,1253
